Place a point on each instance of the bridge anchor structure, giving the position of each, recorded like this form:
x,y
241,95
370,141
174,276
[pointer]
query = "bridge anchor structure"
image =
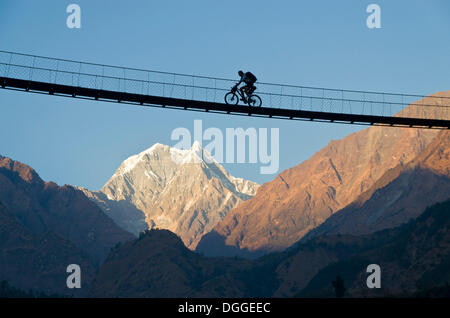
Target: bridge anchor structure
x,y
59,77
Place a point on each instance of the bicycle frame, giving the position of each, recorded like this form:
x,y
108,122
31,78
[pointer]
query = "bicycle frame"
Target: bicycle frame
x,y
249,99
239,92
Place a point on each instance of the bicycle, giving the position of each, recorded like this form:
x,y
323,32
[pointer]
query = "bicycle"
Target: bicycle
x,y
233,97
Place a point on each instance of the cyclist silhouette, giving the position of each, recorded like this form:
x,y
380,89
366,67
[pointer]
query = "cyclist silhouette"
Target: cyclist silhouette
x,y
249,79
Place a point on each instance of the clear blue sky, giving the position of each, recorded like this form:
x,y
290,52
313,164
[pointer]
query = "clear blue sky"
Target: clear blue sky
x,y
313,43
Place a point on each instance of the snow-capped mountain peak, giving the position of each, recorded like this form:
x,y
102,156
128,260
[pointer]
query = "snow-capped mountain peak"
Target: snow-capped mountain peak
x,y
196,154
183,190
129,163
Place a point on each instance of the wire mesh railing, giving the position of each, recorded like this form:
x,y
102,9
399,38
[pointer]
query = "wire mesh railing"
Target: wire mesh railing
x,y
211,89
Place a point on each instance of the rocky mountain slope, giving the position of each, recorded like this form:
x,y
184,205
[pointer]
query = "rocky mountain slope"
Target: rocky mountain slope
x,y
124,213
38,261
414,260
401,194
159,265
412,257
303,197
185,191
42,207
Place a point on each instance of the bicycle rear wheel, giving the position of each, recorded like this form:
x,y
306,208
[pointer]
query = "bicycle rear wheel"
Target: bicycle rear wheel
x,y
231,98
254,101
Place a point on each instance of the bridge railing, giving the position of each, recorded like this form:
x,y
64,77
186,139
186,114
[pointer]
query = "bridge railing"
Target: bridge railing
x,y
193,87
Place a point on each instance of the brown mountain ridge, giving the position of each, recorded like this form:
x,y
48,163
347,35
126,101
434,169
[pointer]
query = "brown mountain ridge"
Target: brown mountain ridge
x,y
413,257
303,197
401,194
45,227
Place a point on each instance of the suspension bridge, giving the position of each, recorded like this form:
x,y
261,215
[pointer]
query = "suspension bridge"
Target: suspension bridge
x,y
60,77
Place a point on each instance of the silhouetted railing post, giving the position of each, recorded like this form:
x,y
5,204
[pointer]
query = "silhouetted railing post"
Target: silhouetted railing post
x,y
124,81
148,83
9,65
364,102
32,68
56,72
193,85
103,75
79,72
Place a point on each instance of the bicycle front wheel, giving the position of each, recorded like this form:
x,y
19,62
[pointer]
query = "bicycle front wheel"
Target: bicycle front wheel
x,y
231,98
254,101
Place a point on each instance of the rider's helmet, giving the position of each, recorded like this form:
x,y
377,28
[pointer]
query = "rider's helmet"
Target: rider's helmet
x,y
241,73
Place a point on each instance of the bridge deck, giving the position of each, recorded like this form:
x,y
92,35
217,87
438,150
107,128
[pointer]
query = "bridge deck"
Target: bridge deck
x,y
148,100
199,93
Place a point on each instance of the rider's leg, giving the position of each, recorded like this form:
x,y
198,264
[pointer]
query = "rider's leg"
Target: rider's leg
x,y
244,93
251,89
